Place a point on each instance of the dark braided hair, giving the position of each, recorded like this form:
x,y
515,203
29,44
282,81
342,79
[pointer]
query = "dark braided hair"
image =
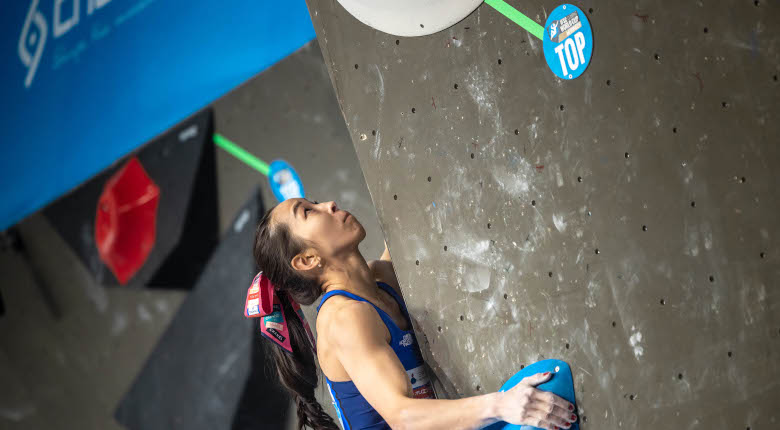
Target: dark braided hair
x,y
275,247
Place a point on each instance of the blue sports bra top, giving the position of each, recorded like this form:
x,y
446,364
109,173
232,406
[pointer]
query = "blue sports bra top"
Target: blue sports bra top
x,y
354,412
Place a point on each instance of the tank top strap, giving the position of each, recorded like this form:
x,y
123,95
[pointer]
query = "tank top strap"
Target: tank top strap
x,y
339,293
390,290
382,314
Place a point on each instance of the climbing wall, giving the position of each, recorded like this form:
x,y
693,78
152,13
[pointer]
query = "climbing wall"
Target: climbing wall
x,y
625,221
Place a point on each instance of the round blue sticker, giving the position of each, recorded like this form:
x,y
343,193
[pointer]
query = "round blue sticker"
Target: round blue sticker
x,y
285,183
568,41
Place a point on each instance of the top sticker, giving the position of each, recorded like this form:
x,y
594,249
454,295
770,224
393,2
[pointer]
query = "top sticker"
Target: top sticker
x,y
568,41
284,181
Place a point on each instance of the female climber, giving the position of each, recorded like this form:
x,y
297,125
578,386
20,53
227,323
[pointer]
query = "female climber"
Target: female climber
x,y
365,344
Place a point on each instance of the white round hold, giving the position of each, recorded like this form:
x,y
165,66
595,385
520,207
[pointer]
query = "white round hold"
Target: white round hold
x,y
410,17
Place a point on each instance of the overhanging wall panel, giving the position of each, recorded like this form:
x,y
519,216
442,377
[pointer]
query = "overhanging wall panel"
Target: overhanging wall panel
x,y
604,221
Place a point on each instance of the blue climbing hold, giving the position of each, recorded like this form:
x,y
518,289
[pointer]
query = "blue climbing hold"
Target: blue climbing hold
x,y
561,384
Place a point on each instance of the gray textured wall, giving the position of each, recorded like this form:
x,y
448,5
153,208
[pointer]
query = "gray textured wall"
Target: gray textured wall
x,y
625,222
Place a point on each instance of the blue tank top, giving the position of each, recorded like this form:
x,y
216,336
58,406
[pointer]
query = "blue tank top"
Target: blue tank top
x,y
354,412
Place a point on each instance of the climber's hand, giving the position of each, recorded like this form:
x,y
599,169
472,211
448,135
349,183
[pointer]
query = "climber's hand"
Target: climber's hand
x,y
525,405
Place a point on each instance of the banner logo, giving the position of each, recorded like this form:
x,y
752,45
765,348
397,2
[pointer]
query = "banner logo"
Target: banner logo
x,y
32,38
35,31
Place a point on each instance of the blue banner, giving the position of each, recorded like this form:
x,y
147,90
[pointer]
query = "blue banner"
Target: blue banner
x,y
85,82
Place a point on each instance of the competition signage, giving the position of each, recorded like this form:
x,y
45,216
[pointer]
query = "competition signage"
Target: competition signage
x,y
568,41
567,37
85,82
284,181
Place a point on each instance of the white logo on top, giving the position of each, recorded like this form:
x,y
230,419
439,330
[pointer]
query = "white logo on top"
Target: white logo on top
x,y
406,340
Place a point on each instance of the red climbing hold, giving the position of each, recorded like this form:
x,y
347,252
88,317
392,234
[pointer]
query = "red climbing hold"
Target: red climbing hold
x,y
126,220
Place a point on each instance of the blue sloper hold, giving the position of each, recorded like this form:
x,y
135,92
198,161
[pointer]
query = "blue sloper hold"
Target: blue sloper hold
x,y
561,384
